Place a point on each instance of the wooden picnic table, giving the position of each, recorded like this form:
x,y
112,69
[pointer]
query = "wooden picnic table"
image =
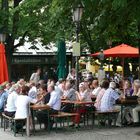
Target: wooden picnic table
x,y
77,102
128,102
124,103
35,108
39,107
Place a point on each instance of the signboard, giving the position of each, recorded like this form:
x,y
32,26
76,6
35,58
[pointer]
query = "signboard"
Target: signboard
x,y
76,49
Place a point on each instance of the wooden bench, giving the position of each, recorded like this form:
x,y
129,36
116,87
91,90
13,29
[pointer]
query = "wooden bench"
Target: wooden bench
x,y
103,116
1,119
62,117
11,122
7,119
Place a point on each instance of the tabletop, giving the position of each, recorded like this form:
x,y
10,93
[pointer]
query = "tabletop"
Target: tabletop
x,y
127,102
77,102
38,106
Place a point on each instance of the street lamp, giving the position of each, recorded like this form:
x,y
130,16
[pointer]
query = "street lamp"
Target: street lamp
x,y
101,58
2,37
77,14
101,72
109,43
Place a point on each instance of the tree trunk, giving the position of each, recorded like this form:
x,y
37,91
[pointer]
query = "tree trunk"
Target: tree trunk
x,y
9,49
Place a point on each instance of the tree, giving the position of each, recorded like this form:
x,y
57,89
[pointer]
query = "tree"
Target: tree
x,y
47,20
20,19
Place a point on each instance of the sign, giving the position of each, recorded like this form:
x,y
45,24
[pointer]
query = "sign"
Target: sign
x,y
76,49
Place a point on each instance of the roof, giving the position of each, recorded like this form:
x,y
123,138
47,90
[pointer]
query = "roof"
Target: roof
x,y
38,49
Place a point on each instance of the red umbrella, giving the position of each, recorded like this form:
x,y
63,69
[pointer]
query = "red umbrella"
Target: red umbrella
x,y
3,65
122,50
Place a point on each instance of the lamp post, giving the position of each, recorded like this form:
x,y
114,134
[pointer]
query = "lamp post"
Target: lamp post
x,y
109,43
77,14
2,37
101,72
101,58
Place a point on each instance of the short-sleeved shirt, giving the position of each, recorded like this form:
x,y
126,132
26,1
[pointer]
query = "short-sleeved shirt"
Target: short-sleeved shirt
x,y
11,102
98,99
96,91
35,77
108,99
70,94
33,92
22,105
86,95
55,100
3,99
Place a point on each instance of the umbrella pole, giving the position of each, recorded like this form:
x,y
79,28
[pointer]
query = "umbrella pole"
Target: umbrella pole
x,y
123,68
139,52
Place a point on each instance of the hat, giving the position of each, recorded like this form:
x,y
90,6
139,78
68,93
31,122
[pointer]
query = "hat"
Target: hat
x,y
86,80
112,85
81,84
1,87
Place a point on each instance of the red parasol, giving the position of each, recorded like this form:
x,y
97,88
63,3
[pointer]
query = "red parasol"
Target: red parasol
x,y
3,65
122,50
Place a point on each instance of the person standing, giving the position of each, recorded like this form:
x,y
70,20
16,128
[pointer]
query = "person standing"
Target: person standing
x,y
35,77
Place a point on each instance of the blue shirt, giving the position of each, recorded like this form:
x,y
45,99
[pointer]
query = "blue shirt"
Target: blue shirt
x,y
3,99
108,99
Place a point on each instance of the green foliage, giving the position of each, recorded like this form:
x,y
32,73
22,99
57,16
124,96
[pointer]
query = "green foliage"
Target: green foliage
x,y
50,20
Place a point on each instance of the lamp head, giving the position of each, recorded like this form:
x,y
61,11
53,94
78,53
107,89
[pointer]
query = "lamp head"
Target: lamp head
x,y
77,13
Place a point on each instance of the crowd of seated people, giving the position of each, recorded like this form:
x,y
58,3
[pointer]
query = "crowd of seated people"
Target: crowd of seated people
x,y
15,97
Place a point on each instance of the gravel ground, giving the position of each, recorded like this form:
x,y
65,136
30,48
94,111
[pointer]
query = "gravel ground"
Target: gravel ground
x,y
128,133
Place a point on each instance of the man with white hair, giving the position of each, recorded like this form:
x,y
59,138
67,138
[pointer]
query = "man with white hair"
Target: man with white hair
x,y
54,104
11,101
109,98
33,90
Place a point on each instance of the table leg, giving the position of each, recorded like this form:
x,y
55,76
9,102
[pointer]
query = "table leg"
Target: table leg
x,y
49,121
33,118
28,126
121,115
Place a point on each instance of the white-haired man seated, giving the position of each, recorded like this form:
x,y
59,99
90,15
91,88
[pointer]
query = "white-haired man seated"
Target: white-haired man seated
x,y
11,101
109,98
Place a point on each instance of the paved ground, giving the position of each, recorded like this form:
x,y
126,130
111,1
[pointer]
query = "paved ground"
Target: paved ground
x,y
83,134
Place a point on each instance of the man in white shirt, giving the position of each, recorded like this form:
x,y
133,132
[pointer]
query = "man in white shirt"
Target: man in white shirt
x,y
11,101
109,98
96,87
33,90
60,87
54,104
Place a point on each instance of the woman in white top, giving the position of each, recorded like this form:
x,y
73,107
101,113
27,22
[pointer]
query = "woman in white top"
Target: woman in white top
x,y
22,104
82,95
